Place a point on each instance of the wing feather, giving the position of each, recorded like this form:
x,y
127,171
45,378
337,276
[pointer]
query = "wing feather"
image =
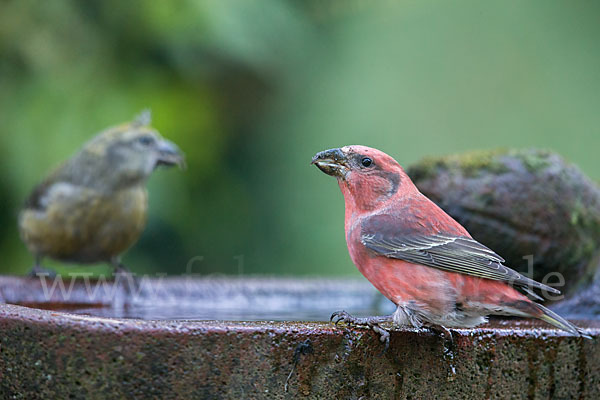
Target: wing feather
x,y
447,252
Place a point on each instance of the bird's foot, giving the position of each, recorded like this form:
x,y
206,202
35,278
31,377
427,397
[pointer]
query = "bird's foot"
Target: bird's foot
x,y
121,269
384,336
448,349
369,322
443,332
39,271
343,316
124,276
446,335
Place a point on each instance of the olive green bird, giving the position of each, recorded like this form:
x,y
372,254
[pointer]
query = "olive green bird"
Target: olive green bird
x,y
93,207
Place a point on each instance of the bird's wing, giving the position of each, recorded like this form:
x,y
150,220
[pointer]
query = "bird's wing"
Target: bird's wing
x,y
35,201
448,252
63,174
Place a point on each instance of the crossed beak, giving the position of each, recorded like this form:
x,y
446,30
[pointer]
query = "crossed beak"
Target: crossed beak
x,y
169,154
333,162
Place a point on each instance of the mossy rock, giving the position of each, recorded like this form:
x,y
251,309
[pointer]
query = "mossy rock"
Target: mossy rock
x,y
521,203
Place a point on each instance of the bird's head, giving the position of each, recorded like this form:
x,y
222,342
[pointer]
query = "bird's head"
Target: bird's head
x,y
366,176
127,154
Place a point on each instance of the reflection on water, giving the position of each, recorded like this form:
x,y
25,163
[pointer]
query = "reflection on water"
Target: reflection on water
x,y
224,298
193,298
199,313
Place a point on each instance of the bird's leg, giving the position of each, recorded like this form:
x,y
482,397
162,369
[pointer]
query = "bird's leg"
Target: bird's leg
x,y
442,331
446,335
343,316
448,354
38,271
122,272
119,267
369,322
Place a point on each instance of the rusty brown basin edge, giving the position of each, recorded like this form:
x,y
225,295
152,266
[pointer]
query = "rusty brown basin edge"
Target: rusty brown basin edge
x,y
56,354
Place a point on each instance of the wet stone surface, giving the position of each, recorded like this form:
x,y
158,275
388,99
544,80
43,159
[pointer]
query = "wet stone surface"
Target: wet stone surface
x,y
58,354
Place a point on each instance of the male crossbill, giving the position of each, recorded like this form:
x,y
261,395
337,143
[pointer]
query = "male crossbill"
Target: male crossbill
x,y
93,207
417,256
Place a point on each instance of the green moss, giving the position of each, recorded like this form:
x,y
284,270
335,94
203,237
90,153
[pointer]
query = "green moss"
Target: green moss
x,y
469,163
586,217
576,212
533,159
480,161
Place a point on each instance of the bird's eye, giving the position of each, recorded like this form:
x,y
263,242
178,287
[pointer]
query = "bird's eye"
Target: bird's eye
x,y
366,162
146,140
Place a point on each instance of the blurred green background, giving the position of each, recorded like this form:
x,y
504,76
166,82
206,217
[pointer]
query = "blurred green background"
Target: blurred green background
x,y
250,90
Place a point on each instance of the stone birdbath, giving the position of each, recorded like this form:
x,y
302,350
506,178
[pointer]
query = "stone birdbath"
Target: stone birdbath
x,y
257,337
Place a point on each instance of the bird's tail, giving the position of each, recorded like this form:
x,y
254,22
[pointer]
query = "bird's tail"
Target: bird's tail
x,y
553,318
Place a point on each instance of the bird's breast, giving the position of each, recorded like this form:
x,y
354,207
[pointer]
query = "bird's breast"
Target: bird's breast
x,y
401,281
125,220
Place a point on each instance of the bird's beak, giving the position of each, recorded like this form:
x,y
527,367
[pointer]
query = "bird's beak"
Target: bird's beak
x,y
333,162
169,154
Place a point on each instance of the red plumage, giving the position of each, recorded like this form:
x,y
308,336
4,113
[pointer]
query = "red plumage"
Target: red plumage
x,y
418,256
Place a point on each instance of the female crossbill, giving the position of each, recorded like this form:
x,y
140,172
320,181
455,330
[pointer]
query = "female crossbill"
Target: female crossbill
x,y
417,256
93,207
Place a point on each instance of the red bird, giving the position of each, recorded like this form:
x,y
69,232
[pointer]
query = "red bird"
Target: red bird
x,y
420,258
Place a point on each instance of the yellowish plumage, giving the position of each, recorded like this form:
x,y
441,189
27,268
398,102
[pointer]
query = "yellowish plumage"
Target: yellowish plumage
x,y
93,207
87,226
